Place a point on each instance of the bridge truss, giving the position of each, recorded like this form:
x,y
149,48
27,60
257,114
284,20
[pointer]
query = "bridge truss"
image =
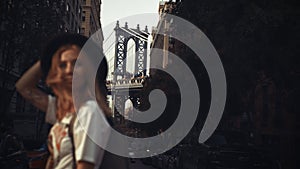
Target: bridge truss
x,y
122,84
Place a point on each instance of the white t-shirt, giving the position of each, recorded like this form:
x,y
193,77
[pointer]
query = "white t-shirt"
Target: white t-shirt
x,y
90,119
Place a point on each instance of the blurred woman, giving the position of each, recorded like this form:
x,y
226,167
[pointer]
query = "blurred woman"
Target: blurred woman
x,y
78,149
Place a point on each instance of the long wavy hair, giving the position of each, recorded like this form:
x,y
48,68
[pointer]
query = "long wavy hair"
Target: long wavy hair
x,y
56,83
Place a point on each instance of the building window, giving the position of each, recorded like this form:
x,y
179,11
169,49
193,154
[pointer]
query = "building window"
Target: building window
x,y
67,7
72,19
36,24
68,17
83,16
10,5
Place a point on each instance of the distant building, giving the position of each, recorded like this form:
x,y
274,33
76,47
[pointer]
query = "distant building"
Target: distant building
x,y
91,18
71,15
163,41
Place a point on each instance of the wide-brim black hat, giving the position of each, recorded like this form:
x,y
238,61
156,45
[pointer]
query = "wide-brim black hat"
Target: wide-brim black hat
x,y
71,39
55,43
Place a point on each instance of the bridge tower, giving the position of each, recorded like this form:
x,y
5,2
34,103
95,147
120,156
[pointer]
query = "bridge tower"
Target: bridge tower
x,y
140,38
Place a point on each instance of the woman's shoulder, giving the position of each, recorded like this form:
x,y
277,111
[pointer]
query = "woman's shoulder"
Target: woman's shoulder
x,y
51,98
91,117
51,110
91,111
90,107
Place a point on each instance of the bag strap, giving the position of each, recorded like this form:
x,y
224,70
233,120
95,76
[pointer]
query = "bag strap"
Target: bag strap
x,y
71,135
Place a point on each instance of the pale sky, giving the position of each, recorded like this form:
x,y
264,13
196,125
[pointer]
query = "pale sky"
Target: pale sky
x,y
112,10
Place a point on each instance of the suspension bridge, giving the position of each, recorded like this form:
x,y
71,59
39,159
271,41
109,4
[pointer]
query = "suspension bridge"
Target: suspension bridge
x,y
126,52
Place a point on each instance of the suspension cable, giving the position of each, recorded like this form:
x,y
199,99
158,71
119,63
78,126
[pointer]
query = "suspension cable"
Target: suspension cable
x,y
109,48
106,39
141,38
136,33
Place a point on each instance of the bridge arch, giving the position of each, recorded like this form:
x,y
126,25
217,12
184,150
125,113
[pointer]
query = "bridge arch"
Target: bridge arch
x,y
130,56
123,36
